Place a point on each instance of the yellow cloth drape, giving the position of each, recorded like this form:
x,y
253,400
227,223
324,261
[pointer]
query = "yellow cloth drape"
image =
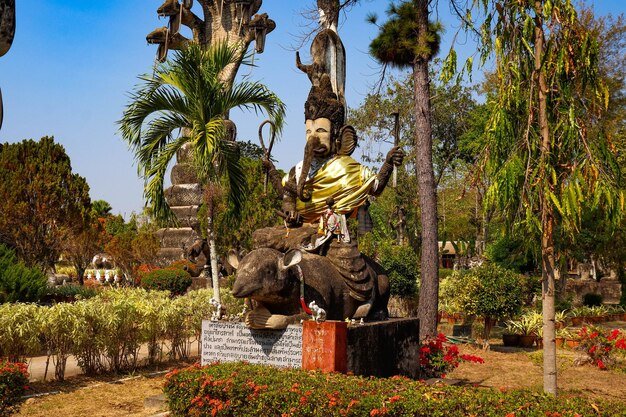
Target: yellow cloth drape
x,y
342,178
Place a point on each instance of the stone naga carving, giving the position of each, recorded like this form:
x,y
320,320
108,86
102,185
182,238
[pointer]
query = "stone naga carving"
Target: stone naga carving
x,y
7,25
272,280
7,32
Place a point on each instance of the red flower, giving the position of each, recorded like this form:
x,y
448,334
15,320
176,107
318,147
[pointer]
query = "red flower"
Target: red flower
x,y
614,334
600,364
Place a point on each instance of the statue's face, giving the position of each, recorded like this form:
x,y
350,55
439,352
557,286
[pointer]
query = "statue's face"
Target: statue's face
x,y
321,129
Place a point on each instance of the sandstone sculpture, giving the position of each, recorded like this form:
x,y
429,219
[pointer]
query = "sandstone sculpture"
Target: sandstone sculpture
x,y
285,283
290,267
7,32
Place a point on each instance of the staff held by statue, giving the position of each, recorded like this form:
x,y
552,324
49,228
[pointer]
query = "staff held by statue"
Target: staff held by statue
x,y
267,151
396,142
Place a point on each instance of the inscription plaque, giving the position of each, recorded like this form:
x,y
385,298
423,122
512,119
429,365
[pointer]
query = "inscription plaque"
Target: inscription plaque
x,y
231,342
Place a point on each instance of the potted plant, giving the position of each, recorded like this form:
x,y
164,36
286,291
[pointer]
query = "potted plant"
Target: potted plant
x,y
560,319
562,335
578,315
529,326
511,334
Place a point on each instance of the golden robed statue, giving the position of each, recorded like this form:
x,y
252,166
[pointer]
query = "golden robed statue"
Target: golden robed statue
x,y
327,169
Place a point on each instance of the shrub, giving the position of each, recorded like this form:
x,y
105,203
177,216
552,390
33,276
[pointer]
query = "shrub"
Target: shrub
x,y
489,291
71,292
402,265
19,331
105,332
174,280
13,384
19,283
239,389
68,270
598,346
437,359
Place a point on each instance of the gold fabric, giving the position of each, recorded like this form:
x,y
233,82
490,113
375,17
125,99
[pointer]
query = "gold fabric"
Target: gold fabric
x,y
342,178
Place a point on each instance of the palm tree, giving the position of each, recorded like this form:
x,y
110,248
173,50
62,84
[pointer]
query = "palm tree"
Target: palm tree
x,y
102,208
409,40
187,101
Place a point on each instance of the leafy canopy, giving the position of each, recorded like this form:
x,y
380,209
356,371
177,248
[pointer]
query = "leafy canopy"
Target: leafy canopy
x,y
42,202
186,101
398,42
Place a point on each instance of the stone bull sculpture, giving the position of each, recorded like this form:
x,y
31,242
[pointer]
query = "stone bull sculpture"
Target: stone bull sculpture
x,y
282,284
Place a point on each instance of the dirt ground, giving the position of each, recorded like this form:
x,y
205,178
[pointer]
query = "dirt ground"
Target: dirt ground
x,y
518,368
513,368
79,397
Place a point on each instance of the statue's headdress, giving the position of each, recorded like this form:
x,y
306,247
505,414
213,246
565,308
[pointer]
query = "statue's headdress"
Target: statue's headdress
x,y
323,102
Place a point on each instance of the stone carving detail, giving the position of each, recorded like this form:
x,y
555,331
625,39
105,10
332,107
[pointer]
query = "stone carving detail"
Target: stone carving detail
x,y
7,32
184,199
7,25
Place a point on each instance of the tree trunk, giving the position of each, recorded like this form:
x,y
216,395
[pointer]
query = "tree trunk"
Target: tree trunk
x,y
212,252
547,219
429,287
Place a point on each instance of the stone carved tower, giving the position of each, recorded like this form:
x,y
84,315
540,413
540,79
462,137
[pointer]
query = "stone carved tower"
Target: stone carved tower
x,y
236,21
184,198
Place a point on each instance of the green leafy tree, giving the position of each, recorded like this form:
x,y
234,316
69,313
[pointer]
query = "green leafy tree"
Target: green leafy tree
x,y
455,122
544,156
42,202
187,95
132,247
488,291
102,208
18,283
81,248
409,40
257,211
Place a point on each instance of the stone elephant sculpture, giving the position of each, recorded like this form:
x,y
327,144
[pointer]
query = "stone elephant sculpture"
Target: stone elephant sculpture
x,y
102,261
198,254
277,281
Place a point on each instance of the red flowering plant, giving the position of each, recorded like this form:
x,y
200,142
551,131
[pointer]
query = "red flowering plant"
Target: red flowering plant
x,y
13,384
599,346
438,358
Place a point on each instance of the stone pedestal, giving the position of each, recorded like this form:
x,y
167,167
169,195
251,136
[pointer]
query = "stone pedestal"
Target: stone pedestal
x,y
324,346
384,348
380,349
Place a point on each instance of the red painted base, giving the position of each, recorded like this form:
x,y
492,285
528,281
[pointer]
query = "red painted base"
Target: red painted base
x,y
324,346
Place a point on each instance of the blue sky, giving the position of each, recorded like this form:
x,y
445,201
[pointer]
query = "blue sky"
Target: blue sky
x,y
73,63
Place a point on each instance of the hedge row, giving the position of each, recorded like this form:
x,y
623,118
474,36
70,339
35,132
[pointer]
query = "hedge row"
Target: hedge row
x,y
239,389
105,332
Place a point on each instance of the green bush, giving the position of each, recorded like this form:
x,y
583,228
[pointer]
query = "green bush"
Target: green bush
x,y
105,332
174,280
243,390
20,328
13,384
402,265
514,253
19,283
488,291
70,292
